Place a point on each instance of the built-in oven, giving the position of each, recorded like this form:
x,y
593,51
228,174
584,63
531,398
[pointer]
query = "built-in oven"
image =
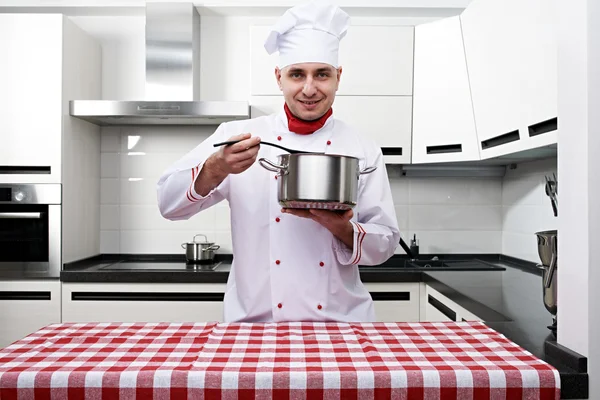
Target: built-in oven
x,y
30,231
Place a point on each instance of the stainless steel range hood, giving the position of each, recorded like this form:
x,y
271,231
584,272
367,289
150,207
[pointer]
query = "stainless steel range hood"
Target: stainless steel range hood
x,y
172,78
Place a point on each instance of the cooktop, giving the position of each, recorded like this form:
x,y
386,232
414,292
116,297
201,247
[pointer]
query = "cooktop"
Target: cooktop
x,y
160,266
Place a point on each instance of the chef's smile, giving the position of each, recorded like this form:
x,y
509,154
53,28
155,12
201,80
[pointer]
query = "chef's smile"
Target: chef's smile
x,y
309,88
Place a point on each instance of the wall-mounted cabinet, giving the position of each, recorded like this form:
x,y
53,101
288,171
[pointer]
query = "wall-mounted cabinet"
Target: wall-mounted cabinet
x,y
510,48
443,123
51,61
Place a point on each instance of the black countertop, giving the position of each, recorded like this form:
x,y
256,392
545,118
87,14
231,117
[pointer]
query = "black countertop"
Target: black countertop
x,y
505,292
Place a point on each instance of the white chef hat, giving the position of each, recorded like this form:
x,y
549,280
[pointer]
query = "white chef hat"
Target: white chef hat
x,y
308,33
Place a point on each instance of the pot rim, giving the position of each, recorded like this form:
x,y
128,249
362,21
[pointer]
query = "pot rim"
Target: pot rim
x,y
316,154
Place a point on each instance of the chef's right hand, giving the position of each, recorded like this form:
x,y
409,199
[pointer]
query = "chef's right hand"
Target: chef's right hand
x,y
238,157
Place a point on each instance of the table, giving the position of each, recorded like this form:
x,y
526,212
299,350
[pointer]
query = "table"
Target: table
x,y
445,360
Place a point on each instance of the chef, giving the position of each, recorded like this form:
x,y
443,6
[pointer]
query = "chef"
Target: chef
x,y
291,264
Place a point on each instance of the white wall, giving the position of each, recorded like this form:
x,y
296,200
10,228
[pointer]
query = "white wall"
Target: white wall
x,y
525,208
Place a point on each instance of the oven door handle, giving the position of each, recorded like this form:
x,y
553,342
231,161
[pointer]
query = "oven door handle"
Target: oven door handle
x,y
31,215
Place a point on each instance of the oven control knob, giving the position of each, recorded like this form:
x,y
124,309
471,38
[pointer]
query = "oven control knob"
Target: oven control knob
x,y
19,196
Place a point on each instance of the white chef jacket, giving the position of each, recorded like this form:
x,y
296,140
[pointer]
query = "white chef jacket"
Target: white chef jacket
x,y
288,268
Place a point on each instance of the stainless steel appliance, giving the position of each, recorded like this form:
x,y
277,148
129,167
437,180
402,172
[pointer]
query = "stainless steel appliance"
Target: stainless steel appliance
x,y
30,231
172,78
317,180
548,251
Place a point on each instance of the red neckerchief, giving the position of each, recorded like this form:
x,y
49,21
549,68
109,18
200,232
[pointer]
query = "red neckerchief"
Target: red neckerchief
x,y
303,127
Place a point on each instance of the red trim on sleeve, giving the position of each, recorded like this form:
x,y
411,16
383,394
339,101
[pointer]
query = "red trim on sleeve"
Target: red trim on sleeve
x,y
190,193
359,240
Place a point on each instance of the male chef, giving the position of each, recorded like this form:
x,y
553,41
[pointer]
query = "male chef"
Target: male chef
x,y
291,264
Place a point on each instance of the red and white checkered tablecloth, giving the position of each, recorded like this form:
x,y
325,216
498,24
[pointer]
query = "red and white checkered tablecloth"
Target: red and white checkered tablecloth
x,y
448,360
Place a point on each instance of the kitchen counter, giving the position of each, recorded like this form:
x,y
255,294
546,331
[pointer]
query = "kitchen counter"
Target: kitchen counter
x,y
173,269
504,292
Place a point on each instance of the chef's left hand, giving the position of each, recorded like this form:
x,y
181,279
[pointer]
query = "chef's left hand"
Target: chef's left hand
x,y
338,223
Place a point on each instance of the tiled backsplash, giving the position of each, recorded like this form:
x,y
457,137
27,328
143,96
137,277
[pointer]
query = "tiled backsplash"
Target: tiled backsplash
x,y
448,215
526,209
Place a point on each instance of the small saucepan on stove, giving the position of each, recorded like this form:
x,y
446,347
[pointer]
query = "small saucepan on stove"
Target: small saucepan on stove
x,y
200,252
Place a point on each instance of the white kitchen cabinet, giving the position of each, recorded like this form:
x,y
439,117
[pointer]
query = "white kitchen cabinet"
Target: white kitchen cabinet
x,y
46,59
443,122
30,99
395,301
510,48
142,302
385,119
375,61
440,308
27,306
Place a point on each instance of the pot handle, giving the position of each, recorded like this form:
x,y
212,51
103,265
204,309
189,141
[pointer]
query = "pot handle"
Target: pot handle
x,y
213,247
271,166
552,267
368,170
200,234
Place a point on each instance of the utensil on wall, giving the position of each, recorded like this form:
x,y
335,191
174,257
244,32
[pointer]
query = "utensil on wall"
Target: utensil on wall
x,y
551,189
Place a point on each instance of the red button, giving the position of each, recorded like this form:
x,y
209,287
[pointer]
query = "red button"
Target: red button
x,y
321,263
278,137
328,142
277,262
279,305
277,219
275,176
319,306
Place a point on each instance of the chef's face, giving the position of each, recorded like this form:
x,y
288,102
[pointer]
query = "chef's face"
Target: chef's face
x,y
309,88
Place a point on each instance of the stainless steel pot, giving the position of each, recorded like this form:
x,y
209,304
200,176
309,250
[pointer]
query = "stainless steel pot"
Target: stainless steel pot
x,y
317,180
200,252
548,252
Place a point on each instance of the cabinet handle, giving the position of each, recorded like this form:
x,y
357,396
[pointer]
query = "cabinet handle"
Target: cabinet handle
x,y
20,215
390,296
446,148
23,295
543,127
444,309
391,151
500,140
145,296
19,169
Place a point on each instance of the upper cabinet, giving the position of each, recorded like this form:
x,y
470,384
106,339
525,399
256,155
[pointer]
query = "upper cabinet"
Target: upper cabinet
x,y
50,61
30,98
443,123
510,48
375,61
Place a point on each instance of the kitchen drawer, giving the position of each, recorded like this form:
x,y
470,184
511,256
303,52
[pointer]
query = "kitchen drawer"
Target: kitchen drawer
x,y
440,308
26,306
395,302
142,302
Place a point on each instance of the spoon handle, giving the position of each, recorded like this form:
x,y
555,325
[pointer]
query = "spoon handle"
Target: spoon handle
x,y
267,143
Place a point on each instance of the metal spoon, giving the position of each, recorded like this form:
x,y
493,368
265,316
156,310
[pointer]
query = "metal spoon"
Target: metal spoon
x,y
269,144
